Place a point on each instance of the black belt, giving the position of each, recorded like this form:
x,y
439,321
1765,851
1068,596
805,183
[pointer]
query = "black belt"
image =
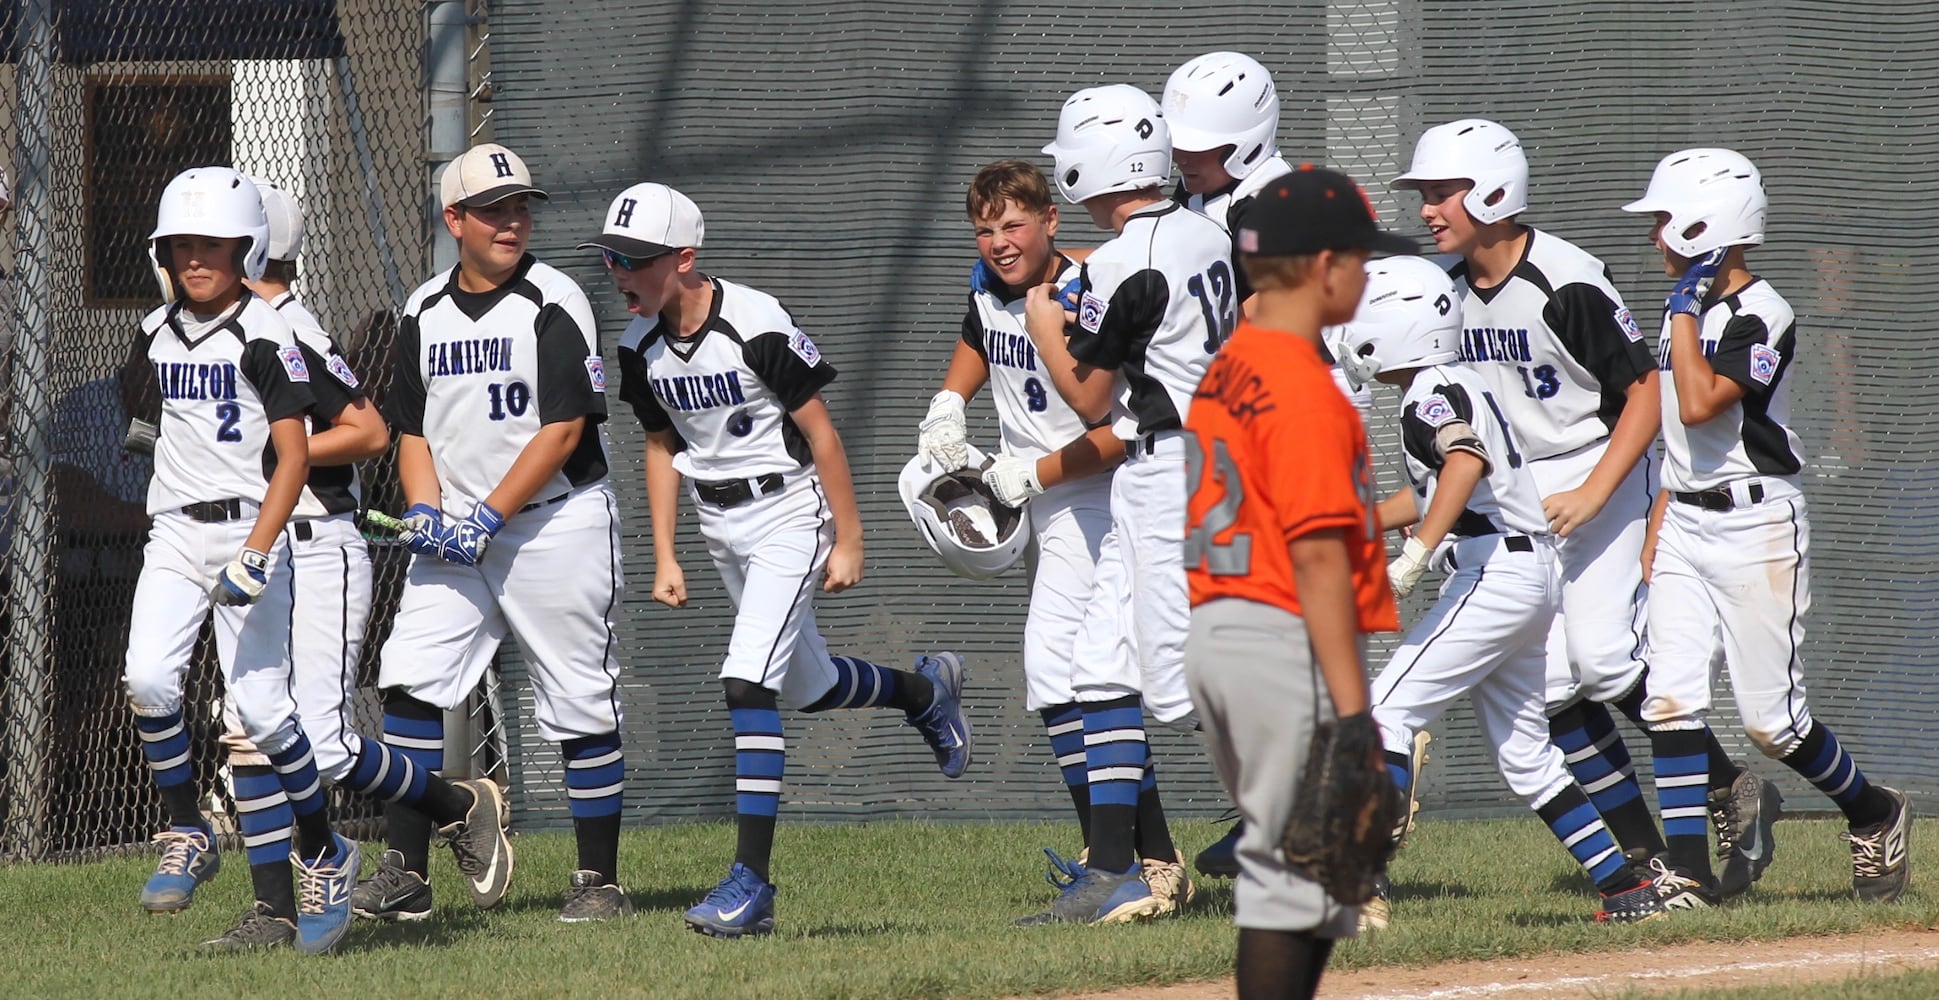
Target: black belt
x,y
536,504
215,511
734,492
1718,498
1513,543
303,531
1141,446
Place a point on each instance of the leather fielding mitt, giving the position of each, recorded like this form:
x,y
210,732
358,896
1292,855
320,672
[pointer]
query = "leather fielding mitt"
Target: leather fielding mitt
x,y
1341,832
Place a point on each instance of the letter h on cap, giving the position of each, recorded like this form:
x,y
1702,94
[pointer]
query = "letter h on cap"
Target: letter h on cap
x,y
624,217
501,165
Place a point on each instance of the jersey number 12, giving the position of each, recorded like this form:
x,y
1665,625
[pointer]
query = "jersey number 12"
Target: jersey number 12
x,y
1213,290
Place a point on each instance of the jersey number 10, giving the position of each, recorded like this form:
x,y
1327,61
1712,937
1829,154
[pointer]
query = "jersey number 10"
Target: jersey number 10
x,y
509,397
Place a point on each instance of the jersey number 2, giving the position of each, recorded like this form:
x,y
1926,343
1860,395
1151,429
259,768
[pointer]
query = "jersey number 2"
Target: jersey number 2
x,y
1232,558
1213,290
230,414
509,397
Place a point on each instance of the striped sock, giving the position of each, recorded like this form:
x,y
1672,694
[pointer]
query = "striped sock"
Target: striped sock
x,y
1575,822
860,684
1683,793
1599,761
296,768
386,773
760,759
165,743
596,790
1399,768
1114,756
1065,726
1820,759
413,730
263,815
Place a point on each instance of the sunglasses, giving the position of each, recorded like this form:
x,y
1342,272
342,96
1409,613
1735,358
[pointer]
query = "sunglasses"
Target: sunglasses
x,y
625,263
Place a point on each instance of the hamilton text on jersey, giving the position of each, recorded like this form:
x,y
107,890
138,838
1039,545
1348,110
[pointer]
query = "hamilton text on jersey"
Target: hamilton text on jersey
x,y
185,380
700,392
1488,343
1010,350
466,357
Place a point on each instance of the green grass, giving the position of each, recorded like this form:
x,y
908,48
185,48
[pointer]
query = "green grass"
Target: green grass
x,y
886,910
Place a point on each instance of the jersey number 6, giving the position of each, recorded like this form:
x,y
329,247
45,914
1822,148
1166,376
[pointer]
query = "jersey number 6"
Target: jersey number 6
x,y
1232,558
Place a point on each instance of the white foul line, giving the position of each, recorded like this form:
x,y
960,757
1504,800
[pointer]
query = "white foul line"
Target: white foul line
x,y
1814,958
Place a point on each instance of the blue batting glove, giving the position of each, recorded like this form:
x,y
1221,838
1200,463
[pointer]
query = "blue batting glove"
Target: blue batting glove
x,y
424,526
1072,291
1687,296
243,580
982,279
466,542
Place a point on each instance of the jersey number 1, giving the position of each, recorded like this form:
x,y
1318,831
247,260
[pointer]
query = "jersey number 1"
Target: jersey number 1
x,y
1232,558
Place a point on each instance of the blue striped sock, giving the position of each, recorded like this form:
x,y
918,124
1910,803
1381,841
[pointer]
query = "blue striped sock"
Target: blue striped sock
x,y
1064,724
387,773
858,684
416,731
296,768
1114,758
165,742
1820,759
1575,822
1683,789
1597,757
1399,768
760,758
596,774
263,814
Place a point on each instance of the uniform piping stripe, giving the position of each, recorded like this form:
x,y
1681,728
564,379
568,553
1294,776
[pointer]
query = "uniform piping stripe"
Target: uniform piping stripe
x,y
1794,696
609,662
1479,572
807,580
346,668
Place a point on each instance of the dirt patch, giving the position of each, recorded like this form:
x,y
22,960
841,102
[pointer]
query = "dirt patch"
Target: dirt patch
x,y
1704,965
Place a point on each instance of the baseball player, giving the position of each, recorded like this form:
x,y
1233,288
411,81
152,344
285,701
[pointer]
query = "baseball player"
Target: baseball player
x,y
1549,336
1480,517
1049,461
1223,111
728,388
498,396
1284,560
231,461
1156,301
1728,551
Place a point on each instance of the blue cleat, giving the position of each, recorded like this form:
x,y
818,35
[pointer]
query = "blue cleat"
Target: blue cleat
x,y
943,725
742,904
1062,871
1221,859
1098,897
323,890
189,859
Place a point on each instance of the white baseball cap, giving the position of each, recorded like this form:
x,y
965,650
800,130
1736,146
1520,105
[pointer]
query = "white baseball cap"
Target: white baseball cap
x,y
648,220
285,221
485,175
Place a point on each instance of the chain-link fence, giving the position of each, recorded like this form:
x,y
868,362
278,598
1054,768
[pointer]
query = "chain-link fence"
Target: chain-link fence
x,y
828,146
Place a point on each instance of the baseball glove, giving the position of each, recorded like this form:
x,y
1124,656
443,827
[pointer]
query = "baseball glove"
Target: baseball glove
x,y
1342,829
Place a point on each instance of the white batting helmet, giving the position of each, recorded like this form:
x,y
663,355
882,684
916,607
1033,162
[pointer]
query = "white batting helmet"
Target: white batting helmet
x,y
211,201
1110,139
1409,317
1224,99
1479,151
285,220
1714,198
955,512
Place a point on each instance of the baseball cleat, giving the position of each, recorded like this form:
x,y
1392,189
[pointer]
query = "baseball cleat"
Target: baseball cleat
x,y
1062,873
1744,816
1099,897
479,843
741,905
393,893
1170,886
590,897
1633,905
1880,866
1681,890
1378,912
323,889
1221,860
943,725
258,928
189,858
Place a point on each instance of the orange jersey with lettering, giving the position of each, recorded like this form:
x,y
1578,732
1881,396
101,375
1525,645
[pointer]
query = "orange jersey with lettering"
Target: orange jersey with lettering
x,y
1276,452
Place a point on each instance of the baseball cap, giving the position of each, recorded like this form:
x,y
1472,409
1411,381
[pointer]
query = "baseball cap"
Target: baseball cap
x,y
648,220
1314,209
485,175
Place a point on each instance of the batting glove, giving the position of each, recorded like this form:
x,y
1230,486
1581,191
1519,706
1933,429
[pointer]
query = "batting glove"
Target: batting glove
x,y
943,441
1687,296
982,279
1013,480
242,581
1072,291
465,543
1405,572
423,529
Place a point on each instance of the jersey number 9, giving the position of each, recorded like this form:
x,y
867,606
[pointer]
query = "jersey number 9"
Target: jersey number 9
x,y
509,397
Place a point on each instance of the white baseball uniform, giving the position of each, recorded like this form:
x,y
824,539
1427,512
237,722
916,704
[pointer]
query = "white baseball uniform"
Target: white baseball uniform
x,y
223,380
1558,350
1226,207
478,374
1069,520
1485,636
1157,301
331,563
1731,580
727,392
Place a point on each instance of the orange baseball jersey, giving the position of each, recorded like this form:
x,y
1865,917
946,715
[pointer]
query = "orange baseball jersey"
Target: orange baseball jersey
x,y
1276,452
